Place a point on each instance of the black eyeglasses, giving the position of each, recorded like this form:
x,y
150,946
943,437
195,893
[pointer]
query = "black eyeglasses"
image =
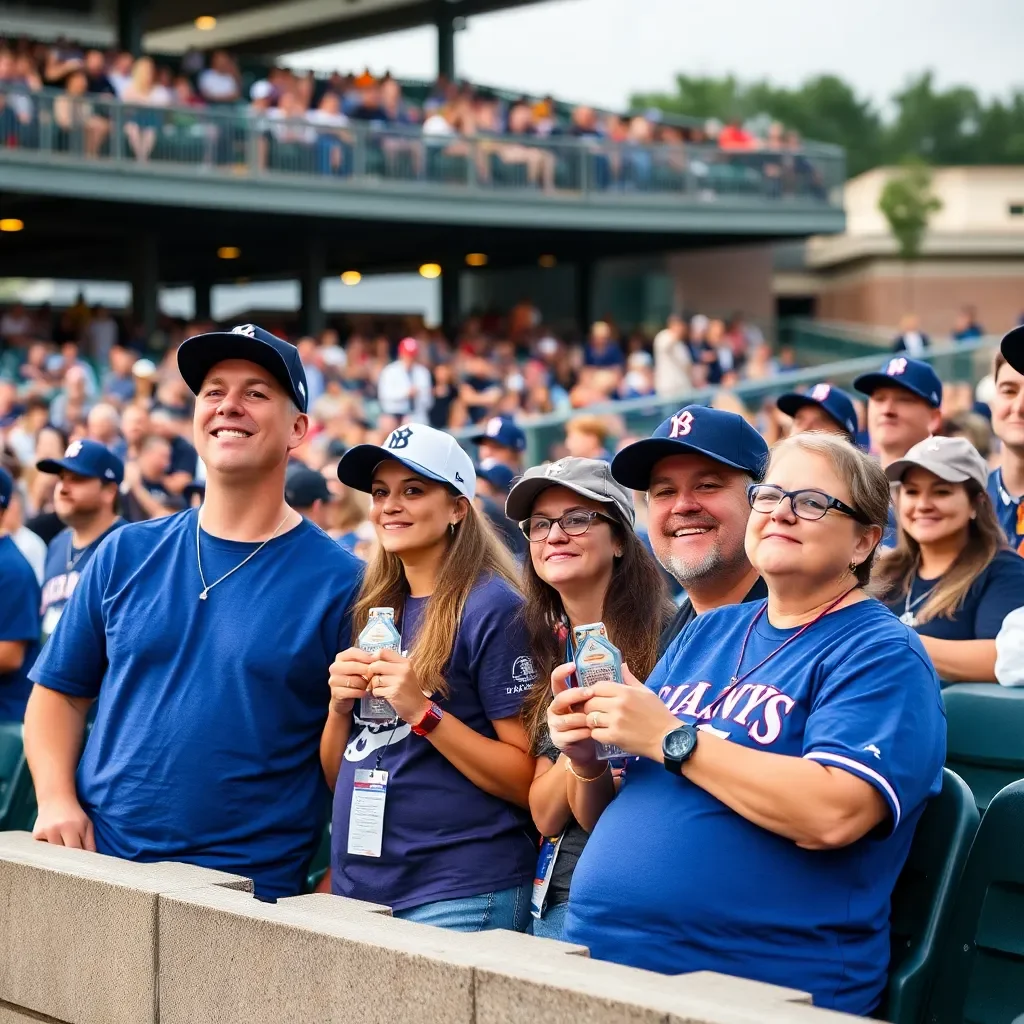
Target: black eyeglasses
x,y
807,504
573,523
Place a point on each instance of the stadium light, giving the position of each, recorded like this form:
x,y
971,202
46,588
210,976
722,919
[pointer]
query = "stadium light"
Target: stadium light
x,y
229,252
476,259
11,224
351,277
547,261
205,22
430,271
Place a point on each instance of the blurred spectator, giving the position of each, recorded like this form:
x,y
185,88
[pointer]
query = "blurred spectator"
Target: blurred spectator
x,y
972,426
501,441
103,424
602,350
405,389
673,363
144,494
586,437
142,93
119,381
910,339
966,326
220,82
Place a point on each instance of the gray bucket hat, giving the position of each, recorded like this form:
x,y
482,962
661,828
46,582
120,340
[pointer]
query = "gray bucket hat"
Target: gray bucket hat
x,y
590,478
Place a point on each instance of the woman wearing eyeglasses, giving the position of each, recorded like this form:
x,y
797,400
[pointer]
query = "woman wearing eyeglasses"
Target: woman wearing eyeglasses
x,y
786,751
586,565
952,576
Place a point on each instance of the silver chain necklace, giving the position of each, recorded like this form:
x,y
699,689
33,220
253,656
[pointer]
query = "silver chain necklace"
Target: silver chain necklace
x,y
908,618
207,587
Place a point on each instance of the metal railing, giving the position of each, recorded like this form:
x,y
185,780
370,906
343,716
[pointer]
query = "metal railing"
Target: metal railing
x,y
234,142
954,362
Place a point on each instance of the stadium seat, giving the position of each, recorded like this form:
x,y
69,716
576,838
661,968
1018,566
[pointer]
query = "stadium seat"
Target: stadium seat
x,y
923,898
985,736
980,968
17,797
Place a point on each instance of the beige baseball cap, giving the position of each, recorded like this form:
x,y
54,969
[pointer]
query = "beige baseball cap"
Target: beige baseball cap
x,y
590,478
953,459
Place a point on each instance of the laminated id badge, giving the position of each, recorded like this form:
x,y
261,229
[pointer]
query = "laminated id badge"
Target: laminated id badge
x,y
366,816
542,876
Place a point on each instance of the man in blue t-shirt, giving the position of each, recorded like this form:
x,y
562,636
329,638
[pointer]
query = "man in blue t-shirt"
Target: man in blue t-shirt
x,y
205,640
85,500
19,617
1006,484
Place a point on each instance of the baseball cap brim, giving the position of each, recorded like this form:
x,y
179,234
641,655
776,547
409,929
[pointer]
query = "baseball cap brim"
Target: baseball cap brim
x,y
633,466
523,494
895,471
57,466
199,354
1012,348
358,464
867,383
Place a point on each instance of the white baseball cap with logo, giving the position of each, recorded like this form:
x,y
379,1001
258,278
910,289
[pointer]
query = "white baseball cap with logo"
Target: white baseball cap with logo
x,y
430,453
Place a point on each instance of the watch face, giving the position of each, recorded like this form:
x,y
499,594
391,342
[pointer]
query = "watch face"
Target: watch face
x,y
680,744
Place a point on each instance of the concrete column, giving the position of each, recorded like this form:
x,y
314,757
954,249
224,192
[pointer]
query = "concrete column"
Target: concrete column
x,y
313,273
131,22
584,295
145,278
451,298
445,24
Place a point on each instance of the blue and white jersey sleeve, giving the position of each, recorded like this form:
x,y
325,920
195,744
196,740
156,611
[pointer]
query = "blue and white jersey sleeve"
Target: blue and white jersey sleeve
x,y
879,716
74,660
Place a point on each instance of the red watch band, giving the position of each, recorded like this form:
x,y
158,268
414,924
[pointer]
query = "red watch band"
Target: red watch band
x,y
428,723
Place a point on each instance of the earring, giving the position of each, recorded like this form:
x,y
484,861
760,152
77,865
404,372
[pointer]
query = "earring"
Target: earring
x,y
451,529
853,568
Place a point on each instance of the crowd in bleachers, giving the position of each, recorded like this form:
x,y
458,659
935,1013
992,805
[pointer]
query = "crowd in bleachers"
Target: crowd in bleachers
x,y
866,547
312,124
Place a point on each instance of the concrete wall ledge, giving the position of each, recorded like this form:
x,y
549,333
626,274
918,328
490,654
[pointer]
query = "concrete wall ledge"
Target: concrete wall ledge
x,y
86,939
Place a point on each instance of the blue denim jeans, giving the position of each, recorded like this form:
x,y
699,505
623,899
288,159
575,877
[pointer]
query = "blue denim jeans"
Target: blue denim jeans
x,y
551,925
508,909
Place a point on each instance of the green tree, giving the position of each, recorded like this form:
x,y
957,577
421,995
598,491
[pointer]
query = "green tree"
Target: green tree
x,y
908,203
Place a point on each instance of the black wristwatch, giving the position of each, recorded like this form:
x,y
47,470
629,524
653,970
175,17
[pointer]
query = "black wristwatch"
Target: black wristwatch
x,y
677,748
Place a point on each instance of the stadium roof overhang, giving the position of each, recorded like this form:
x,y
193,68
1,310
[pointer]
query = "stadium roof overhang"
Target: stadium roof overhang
x,y
271,27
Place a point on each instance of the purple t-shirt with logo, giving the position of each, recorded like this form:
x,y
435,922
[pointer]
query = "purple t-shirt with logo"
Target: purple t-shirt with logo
x,y
443,837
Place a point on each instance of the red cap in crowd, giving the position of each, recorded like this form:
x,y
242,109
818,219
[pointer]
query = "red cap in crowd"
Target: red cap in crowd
x,y
408,347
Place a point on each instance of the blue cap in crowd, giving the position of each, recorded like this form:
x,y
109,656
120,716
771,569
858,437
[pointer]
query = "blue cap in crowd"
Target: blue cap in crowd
x,y
502,430
86,458
831,400
723,436
6,488
1012,348
497,474
199,354
914,375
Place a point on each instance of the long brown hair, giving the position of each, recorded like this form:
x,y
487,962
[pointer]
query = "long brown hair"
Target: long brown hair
x,y
636,610
473,551
985,538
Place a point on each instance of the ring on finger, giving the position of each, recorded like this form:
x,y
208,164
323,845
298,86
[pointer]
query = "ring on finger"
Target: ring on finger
x,y
593,719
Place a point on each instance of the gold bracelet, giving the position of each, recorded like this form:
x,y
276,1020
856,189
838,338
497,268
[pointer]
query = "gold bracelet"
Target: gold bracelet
x,y
583,778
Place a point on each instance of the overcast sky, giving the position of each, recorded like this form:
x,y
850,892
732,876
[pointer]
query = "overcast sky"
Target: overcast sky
x,y
601,51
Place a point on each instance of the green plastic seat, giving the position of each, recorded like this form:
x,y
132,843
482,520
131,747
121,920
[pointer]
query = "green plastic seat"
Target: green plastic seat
x,y
985,736
922,901
17,798
980,969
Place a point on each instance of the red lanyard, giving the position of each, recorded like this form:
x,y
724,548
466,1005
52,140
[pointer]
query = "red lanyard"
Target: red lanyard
x,y
737,678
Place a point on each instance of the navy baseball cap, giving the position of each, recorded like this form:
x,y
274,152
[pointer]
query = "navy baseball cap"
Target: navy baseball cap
x,y
504,431
6,488
87,458
1012,348
496,473
199,354
833,401
913,375
723,436
303,486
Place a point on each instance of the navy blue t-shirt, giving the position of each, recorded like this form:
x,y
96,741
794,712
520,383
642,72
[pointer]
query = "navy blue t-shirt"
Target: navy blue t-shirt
x,y
19,621
64,567
205,747
674,881
1009,511
997,591
443,837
